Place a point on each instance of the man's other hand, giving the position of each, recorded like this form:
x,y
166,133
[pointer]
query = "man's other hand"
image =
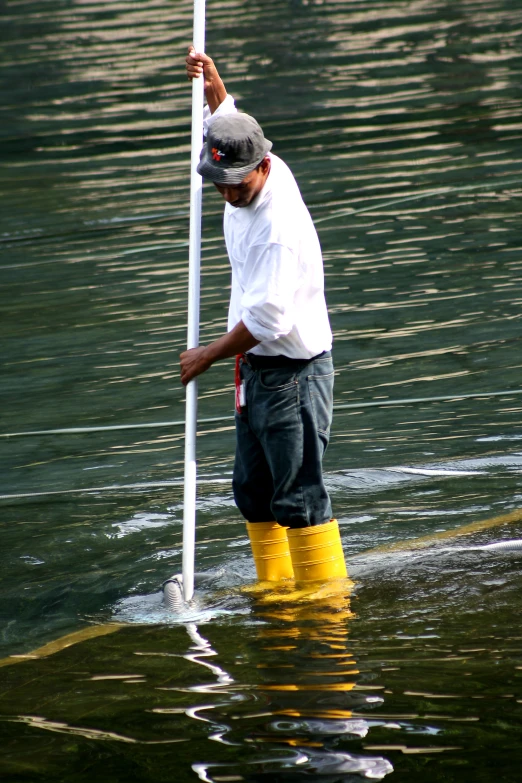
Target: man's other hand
x,y
193,362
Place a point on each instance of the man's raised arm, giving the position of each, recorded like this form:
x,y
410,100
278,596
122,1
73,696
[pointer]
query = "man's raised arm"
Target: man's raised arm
x,y
198,64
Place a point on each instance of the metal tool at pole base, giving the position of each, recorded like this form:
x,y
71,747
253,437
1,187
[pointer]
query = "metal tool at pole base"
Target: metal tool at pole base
x,y
196,192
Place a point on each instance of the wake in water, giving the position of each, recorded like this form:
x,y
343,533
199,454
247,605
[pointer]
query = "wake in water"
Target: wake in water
x,y
212,599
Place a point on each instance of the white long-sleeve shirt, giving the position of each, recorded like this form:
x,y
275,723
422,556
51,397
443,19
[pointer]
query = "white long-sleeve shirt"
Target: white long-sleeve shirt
x,y
277,267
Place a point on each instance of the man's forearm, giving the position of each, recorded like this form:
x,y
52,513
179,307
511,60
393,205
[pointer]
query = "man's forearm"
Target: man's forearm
x,y
197,360
239,340
215,92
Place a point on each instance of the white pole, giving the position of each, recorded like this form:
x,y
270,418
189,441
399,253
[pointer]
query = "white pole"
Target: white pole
x,y
191,409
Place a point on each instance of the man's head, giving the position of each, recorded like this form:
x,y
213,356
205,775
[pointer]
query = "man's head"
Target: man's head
x,y
235,158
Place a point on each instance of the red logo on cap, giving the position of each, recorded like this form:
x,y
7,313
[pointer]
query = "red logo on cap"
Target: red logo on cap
x,y
217,154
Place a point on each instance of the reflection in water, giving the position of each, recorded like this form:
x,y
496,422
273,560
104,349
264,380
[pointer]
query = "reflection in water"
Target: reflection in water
x,y
36,722
304,672
292,687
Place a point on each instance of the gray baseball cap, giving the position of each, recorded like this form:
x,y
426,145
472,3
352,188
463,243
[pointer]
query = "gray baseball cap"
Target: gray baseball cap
x,y
234,147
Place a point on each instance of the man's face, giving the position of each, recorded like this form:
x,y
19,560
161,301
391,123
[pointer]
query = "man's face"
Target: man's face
x,y
244,193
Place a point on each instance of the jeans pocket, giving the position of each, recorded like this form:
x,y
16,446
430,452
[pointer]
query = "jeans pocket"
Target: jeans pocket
x,y
277,379
321,399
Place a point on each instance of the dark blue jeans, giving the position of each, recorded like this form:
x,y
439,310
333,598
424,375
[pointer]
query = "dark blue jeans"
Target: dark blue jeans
x,y
282,434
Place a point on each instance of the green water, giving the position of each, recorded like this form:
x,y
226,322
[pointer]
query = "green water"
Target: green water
x,y
401,121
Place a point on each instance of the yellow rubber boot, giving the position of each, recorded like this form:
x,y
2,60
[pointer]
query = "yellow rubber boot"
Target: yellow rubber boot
x,y
317,553
270,550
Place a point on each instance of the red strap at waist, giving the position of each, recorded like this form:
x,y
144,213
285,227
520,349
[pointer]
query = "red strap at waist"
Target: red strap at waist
x,y
237,379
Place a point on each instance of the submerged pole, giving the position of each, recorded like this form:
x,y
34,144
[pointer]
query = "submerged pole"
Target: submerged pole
x,y
191,404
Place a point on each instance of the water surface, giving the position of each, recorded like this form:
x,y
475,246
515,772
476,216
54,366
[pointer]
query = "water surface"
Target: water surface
x,y
401,121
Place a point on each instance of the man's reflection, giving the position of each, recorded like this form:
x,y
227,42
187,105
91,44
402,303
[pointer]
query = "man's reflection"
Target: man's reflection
x,y
304,680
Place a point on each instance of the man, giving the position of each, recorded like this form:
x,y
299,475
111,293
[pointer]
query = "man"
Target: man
x,y
279,330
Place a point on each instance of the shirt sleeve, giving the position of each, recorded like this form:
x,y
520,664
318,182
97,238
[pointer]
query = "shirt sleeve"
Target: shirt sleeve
x,y
228,106
267,305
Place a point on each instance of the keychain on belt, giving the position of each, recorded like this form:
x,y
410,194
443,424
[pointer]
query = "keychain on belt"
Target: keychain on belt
x,y
240,386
